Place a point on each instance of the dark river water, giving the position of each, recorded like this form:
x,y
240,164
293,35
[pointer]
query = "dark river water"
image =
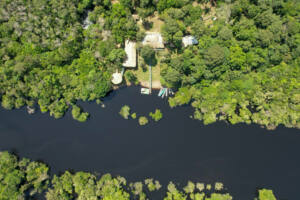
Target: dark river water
x,y
178,149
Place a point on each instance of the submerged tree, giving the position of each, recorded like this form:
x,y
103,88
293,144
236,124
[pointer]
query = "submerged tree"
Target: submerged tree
x,y
78,114
143,120
157,115
125,111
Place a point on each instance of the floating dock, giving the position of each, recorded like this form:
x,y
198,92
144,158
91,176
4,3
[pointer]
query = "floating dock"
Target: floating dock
x,y
145,91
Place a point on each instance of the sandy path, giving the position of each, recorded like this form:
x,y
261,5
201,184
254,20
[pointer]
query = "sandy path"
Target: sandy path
x,y
155,84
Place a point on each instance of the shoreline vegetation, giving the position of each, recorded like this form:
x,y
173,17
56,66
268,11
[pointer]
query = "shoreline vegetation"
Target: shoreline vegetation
x,y
21,178
244,68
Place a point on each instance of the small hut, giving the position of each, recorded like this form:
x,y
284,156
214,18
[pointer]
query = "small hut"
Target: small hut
x,y
117,78
130,49
154,39
189,40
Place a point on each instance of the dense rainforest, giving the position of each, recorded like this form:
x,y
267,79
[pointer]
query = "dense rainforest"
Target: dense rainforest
x,y
25,179
245,67
46,55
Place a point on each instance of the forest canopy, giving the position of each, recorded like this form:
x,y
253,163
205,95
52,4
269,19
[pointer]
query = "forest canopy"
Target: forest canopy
x,y
244,68
46,55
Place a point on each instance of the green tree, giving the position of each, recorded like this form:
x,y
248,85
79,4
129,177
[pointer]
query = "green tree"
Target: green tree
x,y
143,120
125,111
214,56
130,77
148,54
157,115
174,194
78,114
265,194
133,115
237,58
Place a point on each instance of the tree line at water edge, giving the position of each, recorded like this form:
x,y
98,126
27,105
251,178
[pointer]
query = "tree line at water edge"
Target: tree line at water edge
x,y
25,179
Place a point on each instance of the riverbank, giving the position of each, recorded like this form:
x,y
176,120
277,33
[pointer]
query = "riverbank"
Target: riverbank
x,y
69,185
177,148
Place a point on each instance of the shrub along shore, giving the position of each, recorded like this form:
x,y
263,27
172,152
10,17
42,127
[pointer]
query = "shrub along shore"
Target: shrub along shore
x,y
25,179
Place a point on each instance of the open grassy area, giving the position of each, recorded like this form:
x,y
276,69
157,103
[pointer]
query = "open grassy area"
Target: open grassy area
x,y
142,74
142,70
156,22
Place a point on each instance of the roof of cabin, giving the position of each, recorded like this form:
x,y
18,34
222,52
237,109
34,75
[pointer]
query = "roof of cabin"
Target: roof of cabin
x,y
154,39
117,78
130,49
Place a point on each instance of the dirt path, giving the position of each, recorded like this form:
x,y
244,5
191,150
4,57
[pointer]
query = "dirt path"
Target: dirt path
x,y
155,84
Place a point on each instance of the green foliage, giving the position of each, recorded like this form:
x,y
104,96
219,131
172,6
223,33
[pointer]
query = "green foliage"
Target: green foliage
x,y
164,4
121,23
231,72
22,179
157,115
47,57
237,58
125,111
130,77
218,186
189,188
174,194
133,115
263,93
183,96
215,196
152,186
265,194
78,114
148,54
214,56
143,120
172,32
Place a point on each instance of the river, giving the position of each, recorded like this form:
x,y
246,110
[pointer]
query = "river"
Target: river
x,y
243,157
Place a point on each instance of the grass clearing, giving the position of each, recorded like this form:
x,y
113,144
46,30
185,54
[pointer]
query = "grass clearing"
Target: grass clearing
x,y
142,74
157,23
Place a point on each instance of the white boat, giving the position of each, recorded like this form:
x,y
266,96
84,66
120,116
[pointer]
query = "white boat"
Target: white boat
x,y
160,92
145,91
164,93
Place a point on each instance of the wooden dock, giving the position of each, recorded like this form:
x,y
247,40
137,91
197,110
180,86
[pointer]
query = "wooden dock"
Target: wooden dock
x,y
150,79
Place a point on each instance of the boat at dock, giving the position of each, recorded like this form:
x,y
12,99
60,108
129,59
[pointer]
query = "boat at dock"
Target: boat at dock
x,y
145,91
160,93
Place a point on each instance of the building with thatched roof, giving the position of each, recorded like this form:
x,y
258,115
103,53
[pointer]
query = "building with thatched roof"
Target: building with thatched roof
x,y
189,40
117,78
153,39
130,49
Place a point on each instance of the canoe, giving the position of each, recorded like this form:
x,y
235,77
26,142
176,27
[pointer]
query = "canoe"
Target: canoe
x,y
160,92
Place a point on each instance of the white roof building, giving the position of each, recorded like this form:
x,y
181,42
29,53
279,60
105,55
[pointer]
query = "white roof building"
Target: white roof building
x,y
117,78
130,49
189,40
153,39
